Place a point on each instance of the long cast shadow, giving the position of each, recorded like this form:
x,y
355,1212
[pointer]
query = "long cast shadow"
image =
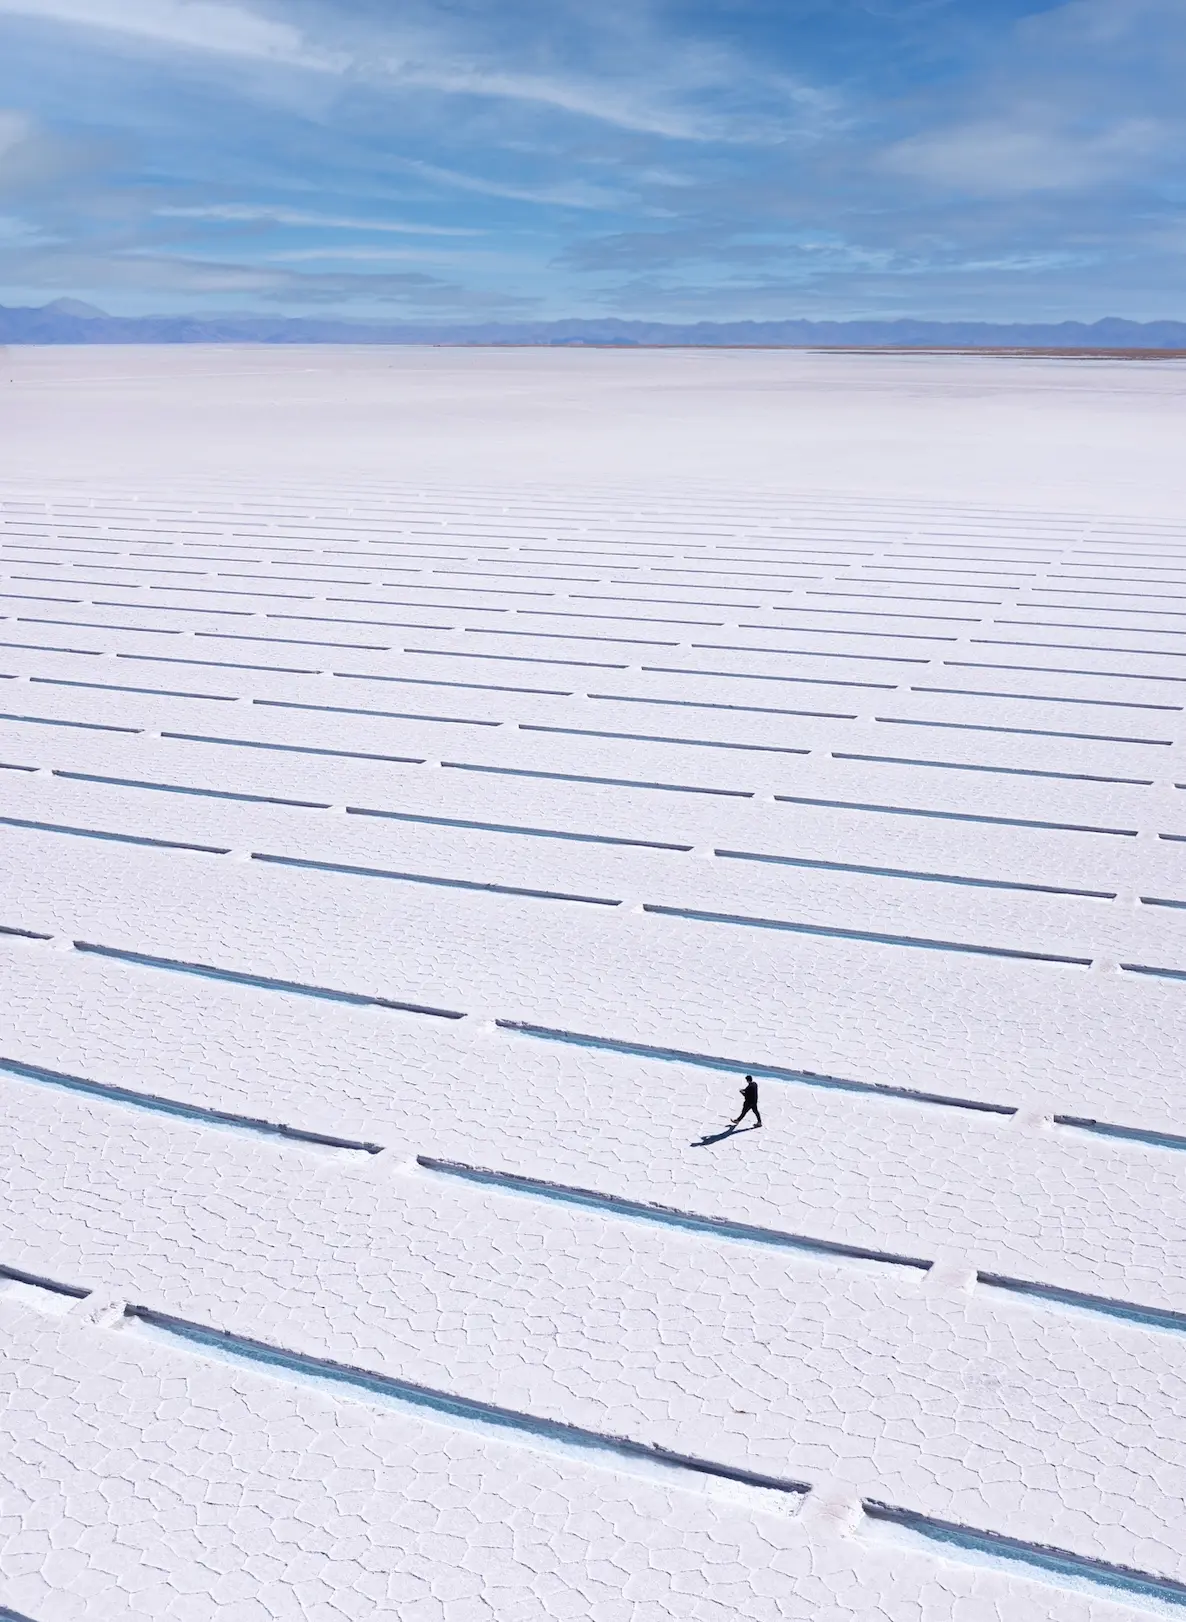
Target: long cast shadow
x,y
718,1137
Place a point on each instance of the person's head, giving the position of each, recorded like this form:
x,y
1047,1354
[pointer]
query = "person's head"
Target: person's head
x,y
749,1079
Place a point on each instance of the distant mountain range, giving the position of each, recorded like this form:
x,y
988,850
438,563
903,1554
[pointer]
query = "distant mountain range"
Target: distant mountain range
x,y
69,321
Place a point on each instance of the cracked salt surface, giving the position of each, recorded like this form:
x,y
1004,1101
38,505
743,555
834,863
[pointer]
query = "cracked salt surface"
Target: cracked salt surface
x,y
372,1242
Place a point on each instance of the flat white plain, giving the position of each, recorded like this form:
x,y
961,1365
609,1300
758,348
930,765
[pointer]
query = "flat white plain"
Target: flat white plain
x,y
471,764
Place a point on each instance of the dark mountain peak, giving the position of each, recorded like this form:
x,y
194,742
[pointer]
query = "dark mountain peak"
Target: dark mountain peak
x,y
75,307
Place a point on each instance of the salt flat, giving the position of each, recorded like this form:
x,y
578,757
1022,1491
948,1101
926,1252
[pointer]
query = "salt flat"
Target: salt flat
x,y
430,781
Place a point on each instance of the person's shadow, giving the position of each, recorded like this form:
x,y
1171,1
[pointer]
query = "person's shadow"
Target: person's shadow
x,y
719,1137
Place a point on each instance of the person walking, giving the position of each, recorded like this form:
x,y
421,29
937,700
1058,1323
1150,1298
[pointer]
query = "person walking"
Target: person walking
x,y
749,1102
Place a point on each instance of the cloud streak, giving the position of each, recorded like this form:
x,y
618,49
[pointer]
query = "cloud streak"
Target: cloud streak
x,y
667,99
190,25
1014,157
277,214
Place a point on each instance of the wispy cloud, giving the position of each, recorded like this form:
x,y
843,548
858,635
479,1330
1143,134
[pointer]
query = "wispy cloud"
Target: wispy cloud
x,y
644,105
672,94
410,294
15,232
192,25
563,194
37,163
327,252
15,129
277,214
1005,158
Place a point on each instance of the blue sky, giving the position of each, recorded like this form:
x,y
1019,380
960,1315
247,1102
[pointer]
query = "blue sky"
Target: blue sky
x,y
469,160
